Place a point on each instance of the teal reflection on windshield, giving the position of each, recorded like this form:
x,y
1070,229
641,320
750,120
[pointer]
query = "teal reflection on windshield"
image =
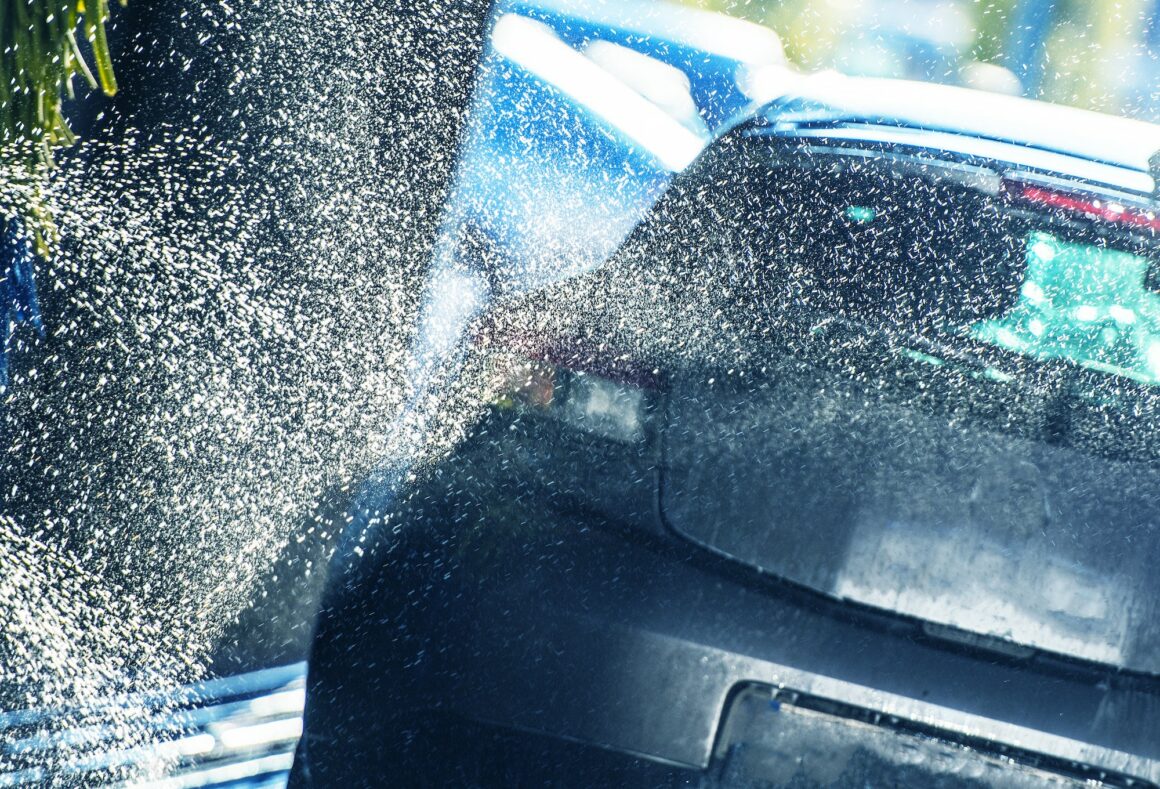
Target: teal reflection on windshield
x,y
860,214
1086,304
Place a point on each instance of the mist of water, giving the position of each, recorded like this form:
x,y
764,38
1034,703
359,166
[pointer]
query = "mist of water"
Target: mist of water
x,y
228,322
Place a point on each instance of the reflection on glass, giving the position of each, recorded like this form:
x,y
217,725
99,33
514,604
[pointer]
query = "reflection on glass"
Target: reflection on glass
x,y
1086,304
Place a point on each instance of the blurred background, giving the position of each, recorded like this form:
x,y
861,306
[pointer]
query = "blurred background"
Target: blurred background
x,y
1087,53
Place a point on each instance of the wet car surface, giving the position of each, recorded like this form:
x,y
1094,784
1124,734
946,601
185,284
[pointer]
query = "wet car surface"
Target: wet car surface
x,y
834,439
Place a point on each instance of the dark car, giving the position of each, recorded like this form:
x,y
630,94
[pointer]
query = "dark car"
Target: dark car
x,y
844,471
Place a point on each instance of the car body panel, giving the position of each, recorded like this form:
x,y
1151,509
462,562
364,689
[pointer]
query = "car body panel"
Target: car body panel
x,y
1039,545
1081,134
536,580
1012,498
546,619
1134,183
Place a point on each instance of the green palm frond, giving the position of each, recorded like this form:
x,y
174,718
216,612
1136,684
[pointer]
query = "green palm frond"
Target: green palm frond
x,y
40,54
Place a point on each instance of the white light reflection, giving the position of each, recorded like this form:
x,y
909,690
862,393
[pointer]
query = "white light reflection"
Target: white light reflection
x,y
534,47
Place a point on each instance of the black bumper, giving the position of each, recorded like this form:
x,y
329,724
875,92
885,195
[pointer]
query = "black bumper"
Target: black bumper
x,y
515,643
